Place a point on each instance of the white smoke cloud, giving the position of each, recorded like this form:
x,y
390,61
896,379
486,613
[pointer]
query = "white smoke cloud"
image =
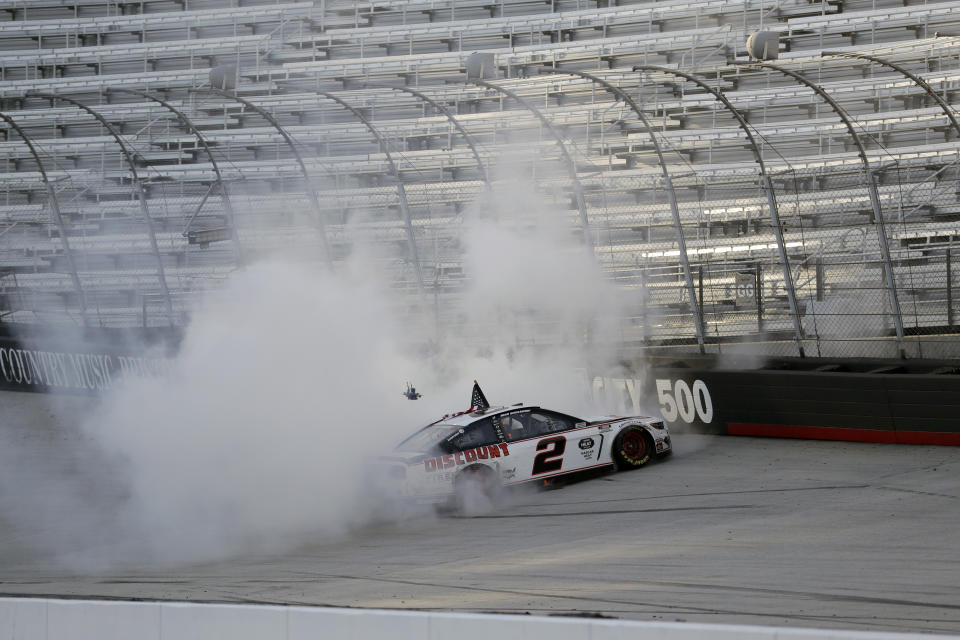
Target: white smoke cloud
x,y
256,436
541,311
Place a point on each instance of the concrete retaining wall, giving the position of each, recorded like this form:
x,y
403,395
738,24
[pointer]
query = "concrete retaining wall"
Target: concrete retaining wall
x,y
862,407
48,619
893,401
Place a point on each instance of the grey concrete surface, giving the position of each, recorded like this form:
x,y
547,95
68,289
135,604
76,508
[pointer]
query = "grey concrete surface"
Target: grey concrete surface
x,y
727,530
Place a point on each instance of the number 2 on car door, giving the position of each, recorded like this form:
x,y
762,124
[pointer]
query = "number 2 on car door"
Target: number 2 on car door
x,y
551,456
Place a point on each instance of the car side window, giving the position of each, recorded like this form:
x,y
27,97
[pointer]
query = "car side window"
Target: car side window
x,y
514,425
546,422
475,435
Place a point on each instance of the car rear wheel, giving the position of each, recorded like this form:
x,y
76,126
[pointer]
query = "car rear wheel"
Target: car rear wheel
x,y
476,491
632,448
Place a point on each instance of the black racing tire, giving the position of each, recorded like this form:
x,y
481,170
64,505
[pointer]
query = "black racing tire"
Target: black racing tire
x,y
633,447
477,490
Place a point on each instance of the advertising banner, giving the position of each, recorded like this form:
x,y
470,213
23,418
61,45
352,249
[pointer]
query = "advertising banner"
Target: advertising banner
x,y
79,360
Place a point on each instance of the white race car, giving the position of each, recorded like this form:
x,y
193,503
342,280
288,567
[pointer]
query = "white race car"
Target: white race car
x,y
483,449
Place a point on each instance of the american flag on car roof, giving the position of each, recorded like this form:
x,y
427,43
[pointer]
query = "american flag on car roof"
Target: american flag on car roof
x,y
477,399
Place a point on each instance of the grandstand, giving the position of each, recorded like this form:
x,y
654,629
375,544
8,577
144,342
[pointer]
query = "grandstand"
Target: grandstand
x,y
804,205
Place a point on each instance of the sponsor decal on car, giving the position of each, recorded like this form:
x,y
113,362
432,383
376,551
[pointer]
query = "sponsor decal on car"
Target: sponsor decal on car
x,y
586,448
456,434
444,477
461,458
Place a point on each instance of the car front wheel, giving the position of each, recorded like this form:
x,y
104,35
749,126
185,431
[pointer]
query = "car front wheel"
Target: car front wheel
x,y
632,448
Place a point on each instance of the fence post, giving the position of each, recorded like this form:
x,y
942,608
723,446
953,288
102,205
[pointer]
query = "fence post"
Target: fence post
x,y
758,293
700,286
643,309
820,282
949,290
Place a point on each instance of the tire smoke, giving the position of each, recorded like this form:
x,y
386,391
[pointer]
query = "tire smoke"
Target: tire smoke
x,y
257,437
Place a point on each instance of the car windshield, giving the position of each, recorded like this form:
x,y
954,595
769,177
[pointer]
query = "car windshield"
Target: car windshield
x,y
427,438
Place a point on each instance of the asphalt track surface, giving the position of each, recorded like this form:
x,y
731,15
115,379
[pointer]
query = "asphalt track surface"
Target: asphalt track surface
x,y
727,530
